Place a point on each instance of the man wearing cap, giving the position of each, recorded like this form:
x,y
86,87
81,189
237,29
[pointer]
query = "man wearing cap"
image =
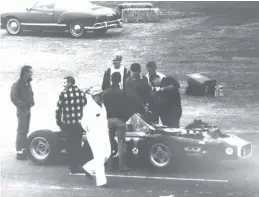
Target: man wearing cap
x,y
168,104
68,117
22,97
117,67
95,123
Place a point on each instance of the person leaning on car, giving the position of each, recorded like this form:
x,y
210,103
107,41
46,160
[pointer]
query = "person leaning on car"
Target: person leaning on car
x,y
138,89
68,117
168,100
22,97
117,107
117,67
152,71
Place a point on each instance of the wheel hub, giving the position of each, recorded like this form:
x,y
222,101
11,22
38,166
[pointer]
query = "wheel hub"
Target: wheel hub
x,y
39,148
160,155
77,28
14,26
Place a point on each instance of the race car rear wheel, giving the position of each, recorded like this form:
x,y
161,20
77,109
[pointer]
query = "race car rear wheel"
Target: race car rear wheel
x,y
13,26
44,147
76,29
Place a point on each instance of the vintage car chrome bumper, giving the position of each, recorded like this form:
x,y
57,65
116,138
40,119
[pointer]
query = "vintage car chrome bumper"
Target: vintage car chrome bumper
x,y
106,25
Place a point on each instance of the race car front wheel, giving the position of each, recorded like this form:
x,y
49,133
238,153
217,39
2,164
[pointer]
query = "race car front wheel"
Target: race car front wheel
x,y
44,147
159,154
13,26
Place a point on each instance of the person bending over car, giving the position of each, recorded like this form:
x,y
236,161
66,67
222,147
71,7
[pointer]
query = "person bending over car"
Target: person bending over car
x,y
138,89
168,100
118,112
68,117
152,71
117,67
22,97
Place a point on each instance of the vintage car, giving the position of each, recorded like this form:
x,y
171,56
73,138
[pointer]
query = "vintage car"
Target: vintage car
x,y
152,144
77,16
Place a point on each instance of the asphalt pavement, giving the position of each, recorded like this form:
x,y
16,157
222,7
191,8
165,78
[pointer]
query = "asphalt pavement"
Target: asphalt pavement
x,y
229,178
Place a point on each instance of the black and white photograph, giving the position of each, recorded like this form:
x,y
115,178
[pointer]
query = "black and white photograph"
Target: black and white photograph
x,y
129,98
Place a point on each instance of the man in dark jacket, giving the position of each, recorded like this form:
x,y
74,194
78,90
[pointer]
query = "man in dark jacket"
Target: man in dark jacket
x,y
138,89
22,97
119,111
117,67
168,100
69,114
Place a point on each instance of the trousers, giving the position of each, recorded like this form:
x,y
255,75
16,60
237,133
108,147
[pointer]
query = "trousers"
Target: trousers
x,y
73,133
24,117
118,126
171,118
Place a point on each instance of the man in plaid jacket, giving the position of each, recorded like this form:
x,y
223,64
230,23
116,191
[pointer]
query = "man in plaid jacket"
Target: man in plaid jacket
x,y
68,117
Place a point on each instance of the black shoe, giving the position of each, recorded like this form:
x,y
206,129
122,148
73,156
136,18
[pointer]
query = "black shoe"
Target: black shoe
x,y
21,157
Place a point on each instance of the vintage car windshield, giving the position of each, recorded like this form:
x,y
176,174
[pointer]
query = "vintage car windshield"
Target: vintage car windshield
x,y
43,5
137,124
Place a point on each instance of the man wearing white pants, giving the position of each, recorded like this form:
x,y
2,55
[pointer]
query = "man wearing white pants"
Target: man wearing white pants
x,y
95,123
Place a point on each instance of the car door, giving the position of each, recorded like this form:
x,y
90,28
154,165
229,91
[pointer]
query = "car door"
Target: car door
x,y
40,14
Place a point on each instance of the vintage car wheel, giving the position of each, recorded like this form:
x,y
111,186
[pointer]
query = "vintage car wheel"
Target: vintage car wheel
x,y
159,154
76,29
44,147
13,26
100,32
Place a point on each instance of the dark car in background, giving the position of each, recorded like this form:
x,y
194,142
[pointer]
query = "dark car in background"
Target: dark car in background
x,y
75,16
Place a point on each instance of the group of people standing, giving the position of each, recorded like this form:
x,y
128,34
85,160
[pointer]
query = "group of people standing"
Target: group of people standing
x,y
102,113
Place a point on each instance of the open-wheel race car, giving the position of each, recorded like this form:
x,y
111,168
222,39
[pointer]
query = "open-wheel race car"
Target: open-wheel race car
x,y
153,145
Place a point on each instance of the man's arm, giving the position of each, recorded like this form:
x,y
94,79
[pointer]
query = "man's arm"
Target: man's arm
x,y
15,98
84,100
169,84
59,110
106,80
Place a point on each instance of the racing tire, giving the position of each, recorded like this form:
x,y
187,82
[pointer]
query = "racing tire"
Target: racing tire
x,y
44,147
76,29
100,32
13,26
159,155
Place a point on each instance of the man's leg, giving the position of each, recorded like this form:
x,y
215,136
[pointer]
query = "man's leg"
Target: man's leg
x,y
121,134
70,135
22,131
112,131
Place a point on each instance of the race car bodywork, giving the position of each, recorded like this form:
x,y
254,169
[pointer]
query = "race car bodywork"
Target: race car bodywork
x,y
152,144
